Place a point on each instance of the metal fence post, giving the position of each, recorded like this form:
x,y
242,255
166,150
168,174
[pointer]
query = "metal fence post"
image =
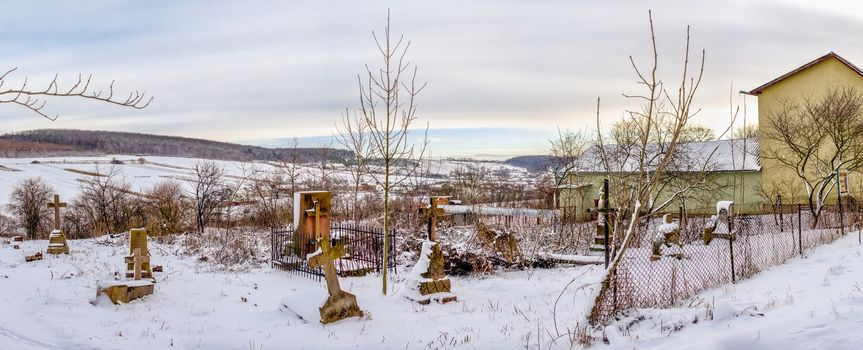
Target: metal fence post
x,y
731,247
605,207
779,206
800,228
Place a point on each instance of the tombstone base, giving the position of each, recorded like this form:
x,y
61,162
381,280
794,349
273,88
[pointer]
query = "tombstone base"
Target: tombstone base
x,y
57,243
427,280
125,291
339,307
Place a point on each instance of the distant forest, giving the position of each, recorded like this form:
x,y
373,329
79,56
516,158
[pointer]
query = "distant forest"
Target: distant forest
x,y
69,142
537,163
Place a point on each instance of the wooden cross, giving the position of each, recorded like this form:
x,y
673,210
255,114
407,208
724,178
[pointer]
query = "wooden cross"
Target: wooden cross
x,y
138,260
325,259
432,212
56,205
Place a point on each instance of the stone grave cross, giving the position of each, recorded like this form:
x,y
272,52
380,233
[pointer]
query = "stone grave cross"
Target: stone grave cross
x,y
432,213
328,253
56,205
57,240
339,304
138,259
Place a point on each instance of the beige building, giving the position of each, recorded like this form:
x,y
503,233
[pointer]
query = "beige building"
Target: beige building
x,y
811,80
756,179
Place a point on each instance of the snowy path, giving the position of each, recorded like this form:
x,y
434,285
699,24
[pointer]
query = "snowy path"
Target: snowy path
x,y
811,303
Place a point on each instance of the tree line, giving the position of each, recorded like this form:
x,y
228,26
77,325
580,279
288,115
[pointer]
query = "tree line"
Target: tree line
x,y
46,142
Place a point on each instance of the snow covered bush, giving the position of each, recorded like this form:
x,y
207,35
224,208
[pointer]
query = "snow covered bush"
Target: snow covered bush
x,y
235,250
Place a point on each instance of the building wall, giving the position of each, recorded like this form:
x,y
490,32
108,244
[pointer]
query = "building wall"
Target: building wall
x,y
742,187
812,83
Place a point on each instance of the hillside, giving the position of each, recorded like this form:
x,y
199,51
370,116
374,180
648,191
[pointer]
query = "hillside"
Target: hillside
x,y
531,163
55,142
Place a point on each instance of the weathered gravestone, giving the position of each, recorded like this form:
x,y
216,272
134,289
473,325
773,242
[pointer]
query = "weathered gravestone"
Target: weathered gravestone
x,y
427,280
724,215
57,243
667,235
313,209
138,264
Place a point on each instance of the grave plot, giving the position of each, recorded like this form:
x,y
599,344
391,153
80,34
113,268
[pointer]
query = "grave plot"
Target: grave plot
x,y
314,210
142,282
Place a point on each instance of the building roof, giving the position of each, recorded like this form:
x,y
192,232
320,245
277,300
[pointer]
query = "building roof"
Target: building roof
x,y
815,62
711,156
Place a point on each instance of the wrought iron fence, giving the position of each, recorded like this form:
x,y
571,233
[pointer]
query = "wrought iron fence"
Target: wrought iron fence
x,y
766,236
363,250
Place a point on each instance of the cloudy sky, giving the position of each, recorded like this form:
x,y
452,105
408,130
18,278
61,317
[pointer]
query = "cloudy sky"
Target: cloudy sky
x,y
502,75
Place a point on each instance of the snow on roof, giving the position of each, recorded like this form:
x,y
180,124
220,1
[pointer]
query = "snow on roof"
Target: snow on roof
x,y
713,156
483,210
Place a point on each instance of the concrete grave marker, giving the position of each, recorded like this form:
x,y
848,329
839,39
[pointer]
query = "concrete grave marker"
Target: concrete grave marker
x,y
57,243
427,280
138,255
138,264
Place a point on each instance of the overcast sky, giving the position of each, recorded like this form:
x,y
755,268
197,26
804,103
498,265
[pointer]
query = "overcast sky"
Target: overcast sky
x,y
263,71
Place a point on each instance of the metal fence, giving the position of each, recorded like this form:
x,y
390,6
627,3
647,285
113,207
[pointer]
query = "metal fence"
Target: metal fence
x,y
363,250
766,236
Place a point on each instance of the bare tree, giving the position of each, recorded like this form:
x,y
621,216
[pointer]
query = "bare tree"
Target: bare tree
x,y
290,164
353,135
650,135
167,208
564,153
817,138
108,197
36,99
388,107
697,133
747,131
28,203
208,192
270,203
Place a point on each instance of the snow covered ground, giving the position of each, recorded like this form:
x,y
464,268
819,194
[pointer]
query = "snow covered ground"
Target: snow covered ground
x,y
46,305
814,302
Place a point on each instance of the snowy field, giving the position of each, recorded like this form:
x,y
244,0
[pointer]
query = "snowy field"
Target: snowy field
x,y
46,305
66,174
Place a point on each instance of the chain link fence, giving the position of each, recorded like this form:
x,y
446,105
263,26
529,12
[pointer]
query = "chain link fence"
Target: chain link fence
x,y
762,237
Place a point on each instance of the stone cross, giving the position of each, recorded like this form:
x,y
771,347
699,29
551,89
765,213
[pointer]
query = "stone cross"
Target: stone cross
x,y
138,250
432,213
56,205
339,304
328,254
138,259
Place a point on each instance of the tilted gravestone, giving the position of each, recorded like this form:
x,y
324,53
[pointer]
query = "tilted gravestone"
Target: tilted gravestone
x,y
315,212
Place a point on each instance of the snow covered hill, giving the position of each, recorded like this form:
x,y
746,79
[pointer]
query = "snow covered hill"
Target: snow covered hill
x,y
65,174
